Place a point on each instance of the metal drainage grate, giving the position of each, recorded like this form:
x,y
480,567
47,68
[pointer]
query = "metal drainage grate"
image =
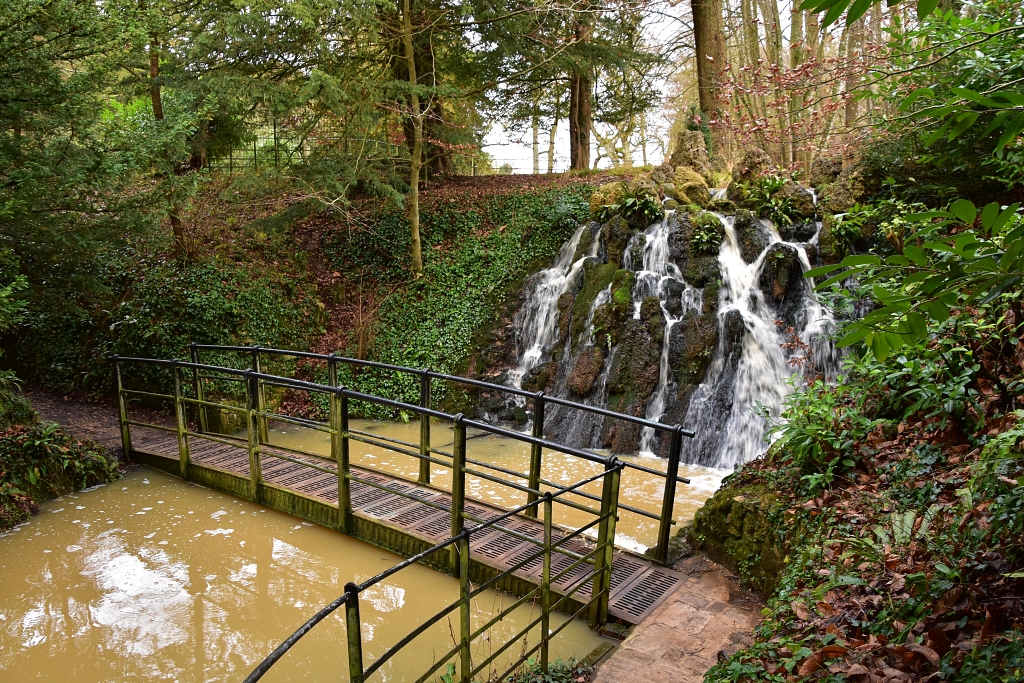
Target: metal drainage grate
x,y
386,508
643,595
436,528
496,545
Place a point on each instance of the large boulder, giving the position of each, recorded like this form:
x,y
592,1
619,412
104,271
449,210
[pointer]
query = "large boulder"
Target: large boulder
x,y
585,371
750,235
825,170
616,233
782,281
799,198
662,174
607,194
609,318
597,276
755,163
691,187
539,378
831,248
853,186
586,240
698,267
691,151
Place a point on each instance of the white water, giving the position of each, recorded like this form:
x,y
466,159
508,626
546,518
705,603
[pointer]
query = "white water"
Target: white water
x,y
537,321
750,366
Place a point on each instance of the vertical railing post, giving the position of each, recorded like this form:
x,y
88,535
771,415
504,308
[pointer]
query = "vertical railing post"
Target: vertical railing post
x,y
601,584
536,453
180,421
458,478
122,411
353,628
198,390
465,655
667,505
545,586
261,398
252,425
340,453
424,477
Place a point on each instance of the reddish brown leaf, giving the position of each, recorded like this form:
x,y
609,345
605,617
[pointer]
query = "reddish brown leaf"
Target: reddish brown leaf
x,y
931,655
815,661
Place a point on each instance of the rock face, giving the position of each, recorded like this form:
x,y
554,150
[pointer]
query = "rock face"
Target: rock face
x,y
691,151
825,170
634,374
754,164
585,372
799,198
852,186
781,281
750,235
736,528
609,193
616,234
691,187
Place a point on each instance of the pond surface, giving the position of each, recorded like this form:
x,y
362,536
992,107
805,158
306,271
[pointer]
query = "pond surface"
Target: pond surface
x,y
154,579
637,489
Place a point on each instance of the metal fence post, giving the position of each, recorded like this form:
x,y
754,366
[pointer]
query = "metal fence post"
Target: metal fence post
x,y
536,453
458,479
200,392
340,453
601,584
465,655
122,411
667,505
424,477
251,404
545,586
261,398
353,628
180,421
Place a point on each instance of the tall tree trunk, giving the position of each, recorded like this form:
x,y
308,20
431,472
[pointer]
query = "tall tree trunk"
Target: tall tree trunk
x,y
580,121
155,96
855,45
416,156
535,125
551,141
709,41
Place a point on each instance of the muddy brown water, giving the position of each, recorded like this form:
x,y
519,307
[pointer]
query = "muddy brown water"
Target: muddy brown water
x,y
153,579
637,489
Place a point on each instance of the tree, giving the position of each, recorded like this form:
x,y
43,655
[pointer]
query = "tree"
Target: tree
x,y
709,55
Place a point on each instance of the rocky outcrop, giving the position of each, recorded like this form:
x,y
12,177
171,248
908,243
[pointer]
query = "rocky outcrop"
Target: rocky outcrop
x,y
609,193
585,371
690,187
597,276
633,375
754,164
825,170
610,318
853,186
799,198
737,529
691,151
750,234
616,234
781,281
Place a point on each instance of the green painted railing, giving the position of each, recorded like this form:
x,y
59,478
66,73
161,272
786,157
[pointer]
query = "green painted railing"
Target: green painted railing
x,y
190,396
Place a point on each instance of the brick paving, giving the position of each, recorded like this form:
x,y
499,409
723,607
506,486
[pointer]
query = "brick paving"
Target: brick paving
x,y
677,643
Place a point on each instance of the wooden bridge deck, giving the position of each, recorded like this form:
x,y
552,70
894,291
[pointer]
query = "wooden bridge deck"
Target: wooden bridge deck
x,y
637,585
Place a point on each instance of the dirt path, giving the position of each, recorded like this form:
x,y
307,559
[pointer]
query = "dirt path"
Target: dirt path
x,y
708,614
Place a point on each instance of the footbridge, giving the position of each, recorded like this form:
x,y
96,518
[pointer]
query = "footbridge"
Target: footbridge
x,y
527,549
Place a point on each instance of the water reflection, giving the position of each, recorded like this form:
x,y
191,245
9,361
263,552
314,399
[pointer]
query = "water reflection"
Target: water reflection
x,y
155,579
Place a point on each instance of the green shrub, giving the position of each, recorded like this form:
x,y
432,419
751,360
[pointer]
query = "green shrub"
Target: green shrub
x,y
637,204
707,234
42,461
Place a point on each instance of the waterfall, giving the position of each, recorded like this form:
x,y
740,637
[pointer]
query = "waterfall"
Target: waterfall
x,y
537,320
764,335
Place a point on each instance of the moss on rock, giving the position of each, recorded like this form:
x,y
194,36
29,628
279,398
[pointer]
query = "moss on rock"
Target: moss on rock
x,y
605,195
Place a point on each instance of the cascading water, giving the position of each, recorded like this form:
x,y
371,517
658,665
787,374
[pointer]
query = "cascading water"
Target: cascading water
x,y
770,328
537,320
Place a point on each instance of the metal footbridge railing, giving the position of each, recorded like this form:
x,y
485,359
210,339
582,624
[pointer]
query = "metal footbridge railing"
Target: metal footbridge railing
x,y
582,571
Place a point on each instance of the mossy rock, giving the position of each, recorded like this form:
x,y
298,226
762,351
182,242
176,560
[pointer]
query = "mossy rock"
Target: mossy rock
x,y
708,223
690,183
750,236
670,191
830,248
663,173
690,150
799,198
723,206
585,371
671,205
596,278
586,240
605,195
632,377
735,528
755,163
609,318
616,233
691,347
539,378
825,170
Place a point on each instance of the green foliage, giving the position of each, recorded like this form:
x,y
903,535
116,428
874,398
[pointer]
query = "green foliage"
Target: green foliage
x,y
707,234
154,307
779,210
965,257
42,461
558,672
483,254
823,422
14,409
637,204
